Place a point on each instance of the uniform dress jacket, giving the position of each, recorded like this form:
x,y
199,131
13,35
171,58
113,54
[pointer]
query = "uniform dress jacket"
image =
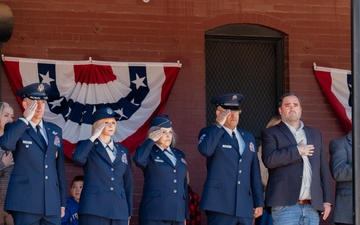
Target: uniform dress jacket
x,y
281,156
341,168
165,194
233,183
37,184
108,186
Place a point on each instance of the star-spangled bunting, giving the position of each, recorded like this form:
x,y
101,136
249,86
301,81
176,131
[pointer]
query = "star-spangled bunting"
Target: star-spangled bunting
x,y
337,87
135,91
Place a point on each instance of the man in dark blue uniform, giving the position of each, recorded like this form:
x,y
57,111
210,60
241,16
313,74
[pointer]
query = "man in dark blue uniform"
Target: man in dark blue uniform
x,y
37,190
233,193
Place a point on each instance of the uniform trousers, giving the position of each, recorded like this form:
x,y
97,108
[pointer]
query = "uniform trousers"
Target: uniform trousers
x,y
159,222
21,218
86,219
216,218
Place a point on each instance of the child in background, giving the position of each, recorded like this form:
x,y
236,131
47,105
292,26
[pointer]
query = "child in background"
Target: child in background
x,y
71,212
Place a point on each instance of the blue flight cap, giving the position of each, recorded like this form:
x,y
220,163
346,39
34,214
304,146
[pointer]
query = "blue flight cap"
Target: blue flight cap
x,y
161,121
104,113
35,91
228,101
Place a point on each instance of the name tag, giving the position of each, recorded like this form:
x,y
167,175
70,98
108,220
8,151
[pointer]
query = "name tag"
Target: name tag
x,y
226,146
159,160
27,142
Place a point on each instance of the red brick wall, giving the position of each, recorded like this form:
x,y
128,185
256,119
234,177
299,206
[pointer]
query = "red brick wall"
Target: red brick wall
x,y
167,31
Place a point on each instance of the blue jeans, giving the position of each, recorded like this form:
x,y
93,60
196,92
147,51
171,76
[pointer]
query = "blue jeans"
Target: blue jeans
x,y
299,214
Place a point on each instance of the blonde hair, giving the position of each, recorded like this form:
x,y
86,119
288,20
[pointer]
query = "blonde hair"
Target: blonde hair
x,y
2,106
275,120
174,135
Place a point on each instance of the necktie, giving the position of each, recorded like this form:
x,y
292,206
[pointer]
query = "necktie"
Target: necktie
x,y
114,152
170,155
41,137
235,139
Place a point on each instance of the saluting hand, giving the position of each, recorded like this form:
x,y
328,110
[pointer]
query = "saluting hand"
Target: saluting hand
x,y
221,117
30,110
156,135
96,133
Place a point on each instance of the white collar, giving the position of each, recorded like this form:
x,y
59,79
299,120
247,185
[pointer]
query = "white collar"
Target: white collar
x,y
41,124
111,144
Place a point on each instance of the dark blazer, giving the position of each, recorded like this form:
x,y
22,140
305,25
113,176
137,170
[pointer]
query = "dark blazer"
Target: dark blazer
x,y
37,183
108,186
341,168
165,185
281,156
233,183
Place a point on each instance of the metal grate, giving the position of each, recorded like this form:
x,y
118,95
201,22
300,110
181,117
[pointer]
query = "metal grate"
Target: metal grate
x,y
249,66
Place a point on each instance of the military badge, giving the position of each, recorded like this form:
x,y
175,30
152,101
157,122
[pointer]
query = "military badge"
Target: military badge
x,y
159,160
109,111
124,158
57,141
183,161
201,138
40,88
252,147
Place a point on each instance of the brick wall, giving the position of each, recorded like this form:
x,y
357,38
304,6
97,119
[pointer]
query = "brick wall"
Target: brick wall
x,y
167,31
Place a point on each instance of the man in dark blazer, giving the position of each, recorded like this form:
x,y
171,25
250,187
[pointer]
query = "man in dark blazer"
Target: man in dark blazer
x,y
233,193
299,181
37,189
341,168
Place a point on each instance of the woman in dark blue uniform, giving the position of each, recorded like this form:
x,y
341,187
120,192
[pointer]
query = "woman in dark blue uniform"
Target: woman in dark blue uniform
x,y
106,197
164,199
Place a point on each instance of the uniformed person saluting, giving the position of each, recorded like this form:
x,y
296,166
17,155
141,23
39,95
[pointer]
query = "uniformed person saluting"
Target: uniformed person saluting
x,y
164,200
233,193
37,191
107,194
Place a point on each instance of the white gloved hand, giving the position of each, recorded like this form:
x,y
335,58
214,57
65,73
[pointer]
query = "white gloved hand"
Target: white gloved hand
x,y
97,132
30,110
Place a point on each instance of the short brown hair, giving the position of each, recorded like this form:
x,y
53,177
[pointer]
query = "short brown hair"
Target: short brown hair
x,y
287,95
77,178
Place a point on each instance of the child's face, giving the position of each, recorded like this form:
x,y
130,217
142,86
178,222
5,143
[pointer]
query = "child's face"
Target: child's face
x,y
75,190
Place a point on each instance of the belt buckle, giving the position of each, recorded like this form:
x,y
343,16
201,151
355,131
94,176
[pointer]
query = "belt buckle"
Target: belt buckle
x,y
304,201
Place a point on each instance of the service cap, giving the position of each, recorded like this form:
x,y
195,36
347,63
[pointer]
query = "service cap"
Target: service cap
x,y
104,113
228,101
161,121
35,91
